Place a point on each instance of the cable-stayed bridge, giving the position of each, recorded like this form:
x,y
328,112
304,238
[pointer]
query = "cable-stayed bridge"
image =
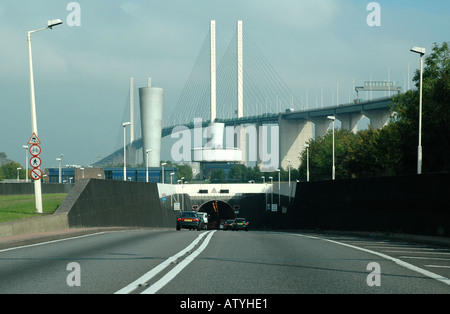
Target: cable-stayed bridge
x,y
264,97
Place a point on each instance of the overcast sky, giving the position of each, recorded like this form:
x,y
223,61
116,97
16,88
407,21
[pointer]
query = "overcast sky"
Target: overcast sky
x,y
82,72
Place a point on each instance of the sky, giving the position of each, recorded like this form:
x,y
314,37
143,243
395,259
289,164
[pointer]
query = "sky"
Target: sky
x,y
82,68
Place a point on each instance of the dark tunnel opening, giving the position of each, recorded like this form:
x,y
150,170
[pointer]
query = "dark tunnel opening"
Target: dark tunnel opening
x,y
218,211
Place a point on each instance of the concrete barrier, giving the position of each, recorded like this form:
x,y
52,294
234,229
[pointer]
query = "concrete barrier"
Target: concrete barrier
x,y
110,203
28,188
414,204
34,225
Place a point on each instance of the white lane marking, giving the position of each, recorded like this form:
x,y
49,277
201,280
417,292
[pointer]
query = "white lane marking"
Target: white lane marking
x,y
423,257
437,266
152,273
395,260
53,241
177,269
419,252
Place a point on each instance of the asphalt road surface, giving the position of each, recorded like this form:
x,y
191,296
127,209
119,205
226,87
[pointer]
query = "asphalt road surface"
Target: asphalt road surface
x,y
223,262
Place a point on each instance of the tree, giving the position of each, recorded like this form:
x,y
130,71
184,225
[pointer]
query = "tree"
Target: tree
x,y
321,155
238,172
9,170
218,174
435,115
392,150
184,171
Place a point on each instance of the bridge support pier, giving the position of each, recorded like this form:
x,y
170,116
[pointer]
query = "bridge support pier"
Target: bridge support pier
x,y
322,125
350,121
378,118
293,135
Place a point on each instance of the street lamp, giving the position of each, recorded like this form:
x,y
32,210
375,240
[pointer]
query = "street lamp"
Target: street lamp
x,y
271,198
171,188
307,162
37,183
146,163
18,169
124,152
26,162
333,168
162,172
279,192
265,189
421,52
59,169
59,173
289,180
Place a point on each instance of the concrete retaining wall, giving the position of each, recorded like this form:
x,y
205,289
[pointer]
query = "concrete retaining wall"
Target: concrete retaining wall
x,y
415,204
34,225
28,188
109,203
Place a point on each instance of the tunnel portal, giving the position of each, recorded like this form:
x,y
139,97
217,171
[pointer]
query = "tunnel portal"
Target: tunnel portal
x,y
218,211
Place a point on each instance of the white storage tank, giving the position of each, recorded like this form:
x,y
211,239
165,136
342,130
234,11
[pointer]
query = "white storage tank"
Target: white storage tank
x,y
151,101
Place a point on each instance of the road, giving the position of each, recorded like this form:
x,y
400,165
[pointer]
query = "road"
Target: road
x,y
223,262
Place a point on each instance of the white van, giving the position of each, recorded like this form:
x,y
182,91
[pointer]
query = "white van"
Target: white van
x,y
204,217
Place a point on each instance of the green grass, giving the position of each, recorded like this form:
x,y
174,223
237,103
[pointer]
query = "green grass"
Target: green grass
x,y
15,207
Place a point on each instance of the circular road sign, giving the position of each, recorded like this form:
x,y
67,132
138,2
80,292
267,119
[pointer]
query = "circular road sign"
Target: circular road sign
x,y
36,174
35,162
35,150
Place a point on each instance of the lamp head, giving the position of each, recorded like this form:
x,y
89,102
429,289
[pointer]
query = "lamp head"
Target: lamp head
x,y
55,22
419,50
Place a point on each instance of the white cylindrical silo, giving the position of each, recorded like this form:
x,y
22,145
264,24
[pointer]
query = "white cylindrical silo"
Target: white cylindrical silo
x,y
151,104
214,135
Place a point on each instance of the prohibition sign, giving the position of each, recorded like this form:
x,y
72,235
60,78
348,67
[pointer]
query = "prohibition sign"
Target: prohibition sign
x,y
35,162
36,174
35,150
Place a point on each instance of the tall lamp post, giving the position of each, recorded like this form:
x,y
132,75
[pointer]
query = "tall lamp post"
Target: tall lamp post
x,y
333,168
265,190
307,162
26,162
18,170
271,198
59,169
124,152
421,52
37,183
162,172
289,178
146,164
279,192
171,188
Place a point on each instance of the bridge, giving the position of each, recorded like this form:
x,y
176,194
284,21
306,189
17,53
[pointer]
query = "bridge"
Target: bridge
x,y
265,101
295,127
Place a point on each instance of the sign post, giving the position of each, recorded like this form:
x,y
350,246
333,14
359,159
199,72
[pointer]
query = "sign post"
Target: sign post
x,y
36,173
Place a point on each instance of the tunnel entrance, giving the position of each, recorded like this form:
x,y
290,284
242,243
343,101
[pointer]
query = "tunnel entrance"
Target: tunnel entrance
x,y
218,211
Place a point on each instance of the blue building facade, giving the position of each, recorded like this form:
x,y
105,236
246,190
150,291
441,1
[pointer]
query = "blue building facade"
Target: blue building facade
x,y
139,174
71,175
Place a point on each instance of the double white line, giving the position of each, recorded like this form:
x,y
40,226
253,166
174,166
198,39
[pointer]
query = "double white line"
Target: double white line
x,y
172,273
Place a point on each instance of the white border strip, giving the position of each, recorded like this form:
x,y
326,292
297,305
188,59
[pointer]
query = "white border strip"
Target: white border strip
x,y
52,241
395,260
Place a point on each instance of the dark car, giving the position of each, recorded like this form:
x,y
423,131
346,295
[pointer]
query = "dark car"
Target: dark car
x,y
188,220
228,225
240,224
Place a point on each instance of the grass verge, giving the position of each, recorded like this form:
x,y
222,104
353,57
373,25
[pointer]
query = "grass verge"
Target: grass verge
x,y
15,207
